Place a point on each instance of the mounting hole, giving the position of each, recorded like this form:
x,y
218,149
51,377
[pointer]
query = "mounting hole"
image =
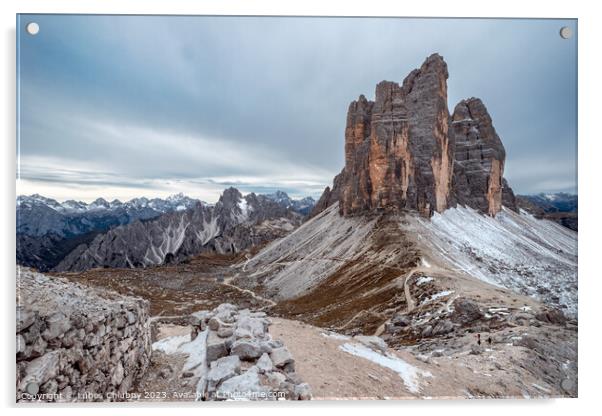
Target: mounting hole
x,y
32,388
566,32
32,28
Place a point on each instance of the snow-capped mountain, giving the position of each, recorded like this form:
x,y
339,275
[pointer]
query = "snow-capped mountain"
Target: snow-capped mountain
x,y
559,207
233,224
554,202
302,206
177,202
47,229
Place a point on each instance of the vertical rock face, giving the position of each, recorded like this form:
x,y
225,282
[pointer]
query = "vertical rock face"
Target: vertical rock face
x,y
397,149
479,159
404,151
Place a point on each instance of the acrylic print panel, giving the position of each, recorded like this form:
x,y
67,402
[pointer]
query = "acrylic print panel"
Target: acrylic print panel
x,y
266,208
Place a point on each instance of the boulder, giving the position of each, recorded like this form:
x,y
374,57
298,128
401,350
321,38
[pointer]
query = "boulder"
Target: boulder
x,y
442,327
401,320
302,391
215,324
245,386
249,327
465,311
275,379
41,369
225,332
281,357
222,369
217,347
247,349
56,324
552,316
264,364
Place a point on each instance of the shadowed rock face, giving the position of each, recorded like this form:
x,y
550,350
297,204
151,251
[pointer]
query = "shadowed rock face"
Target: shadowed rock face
x,y
404,151
397,150
479,159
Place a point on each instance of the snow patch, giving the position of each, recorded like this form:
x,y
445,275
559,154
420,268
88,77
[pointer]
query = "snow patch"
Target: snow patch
x,y
171,345
438,295
195,350
335,335
424,279
533,257
408,373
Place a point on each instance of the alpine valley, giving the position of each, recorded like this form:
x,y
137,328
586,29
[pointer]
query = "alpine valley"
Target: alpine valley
x,y
417,273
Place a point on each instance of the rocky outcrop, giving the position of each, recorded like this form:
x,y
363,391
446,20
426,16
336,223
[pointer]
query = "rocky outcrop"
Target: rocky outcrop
x,y
403,151
329,196
241,360
479,159
77,343
397,150
235,223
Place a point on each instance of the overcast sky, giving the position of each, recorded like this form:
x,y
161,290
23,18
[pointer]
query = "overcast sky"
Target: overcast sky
x,y
122,106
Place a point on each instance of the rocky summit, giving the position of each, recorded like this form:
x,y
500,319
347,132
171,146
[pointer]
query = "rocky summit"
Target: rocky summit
x,y
404,151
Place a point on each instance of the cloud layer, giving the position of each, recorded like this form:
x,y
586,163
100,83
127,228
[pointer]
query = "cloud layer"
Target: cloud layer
x,y
123,106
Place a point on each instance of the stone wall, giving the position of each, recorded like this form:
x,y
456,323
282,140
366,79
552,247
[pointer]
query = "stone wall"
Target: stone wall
x,y
76,343
240,360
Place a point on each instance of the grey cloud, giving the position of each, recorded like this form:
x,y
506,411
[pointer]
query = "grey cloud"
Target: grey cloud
x,y
267,97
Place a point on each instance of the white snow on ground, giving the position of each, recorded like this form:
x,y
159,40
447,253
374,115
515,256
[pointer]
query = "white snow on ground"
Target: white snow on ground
x,y
180,344
438,295
517,251
423,279
335,335
196,351
425,263
171,345
408,373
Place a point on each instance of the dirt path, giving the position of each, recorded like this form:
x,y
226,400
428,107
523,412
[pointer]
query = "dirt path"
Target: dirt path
x,y
254,295
408,296
406,289
335,374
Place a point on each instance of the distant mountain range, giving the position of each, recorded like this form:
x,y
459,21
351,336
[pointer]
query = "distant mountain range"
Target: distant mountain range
x,y
48,230
559,207
302,206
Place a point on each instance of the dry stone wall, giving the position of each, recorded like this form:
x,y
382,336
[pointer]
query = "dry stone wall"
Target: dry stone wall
x,y
76,343
240,359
